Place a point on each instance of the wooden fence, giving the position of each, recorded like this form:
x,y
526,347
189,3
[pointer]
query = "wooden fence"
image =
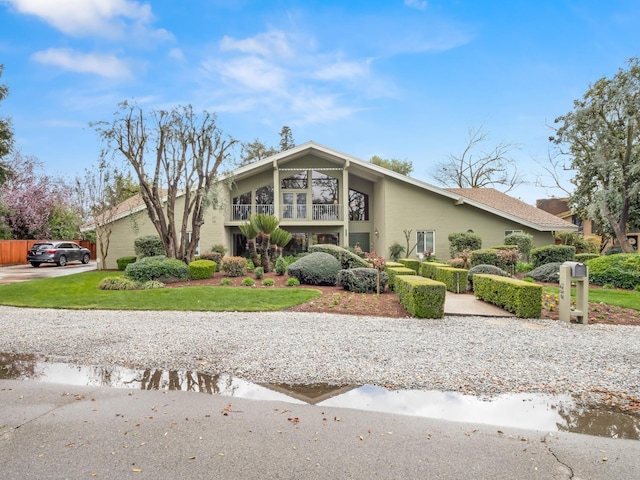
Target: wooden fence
x,y
14,252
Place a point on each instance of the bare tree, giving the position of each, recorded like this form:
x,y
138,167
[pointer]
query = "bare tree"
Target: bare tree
x,y
187,150
551,179
475,168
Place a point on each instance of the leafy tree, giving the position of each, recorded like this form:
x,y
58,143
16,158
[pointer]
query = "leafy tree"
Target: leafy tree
x,y
403,167
486,168
29,198
254,152
602,133
6,136
286,139
187,150
65,222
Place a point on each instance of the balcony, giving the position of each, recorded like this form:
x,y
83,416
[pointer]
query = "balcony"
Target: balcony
x,y
308,212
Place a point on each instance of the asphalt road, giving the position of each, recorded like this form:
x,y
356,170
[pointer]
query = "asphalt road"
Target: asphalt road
x,y
58,431
21,273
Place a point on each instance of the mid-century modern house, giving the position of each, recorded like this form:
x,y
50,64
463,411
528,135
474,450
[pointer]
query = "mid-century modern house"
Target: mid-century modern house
x,y
321,195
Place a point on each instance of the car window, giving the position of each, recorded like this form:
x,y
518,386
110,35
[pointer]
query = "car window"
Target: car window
x,y
42,246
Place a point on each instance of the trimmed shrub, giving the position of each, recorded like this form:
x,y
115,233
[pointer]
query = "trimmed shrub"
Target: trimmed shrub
x,y
487,256
258,272
234,266
268,282
620,270
388,265
613,250
421,297
317,268
410,263
394,272
281,266
457,262
524,299
522,241
346,258
547,273
117,283
552,254
225,281
219,248
248,282
292,282
202,269
214,257
429,269
463,241
161,268
148,246
362,280
124,261
583,257
455,279
490,269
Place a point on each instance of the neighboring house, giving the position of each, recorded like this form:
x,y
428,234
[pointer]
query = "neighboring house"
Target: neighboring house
x,y
321,195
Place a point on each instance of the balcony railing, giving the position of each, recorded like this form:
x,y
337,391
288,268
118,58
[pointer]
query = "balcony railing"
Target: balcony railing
x,y
314,212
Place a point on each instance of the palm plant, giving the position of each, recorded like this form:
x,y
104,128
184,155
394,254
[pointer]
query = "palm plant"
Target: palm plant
x,y
266,224
250,230
279,238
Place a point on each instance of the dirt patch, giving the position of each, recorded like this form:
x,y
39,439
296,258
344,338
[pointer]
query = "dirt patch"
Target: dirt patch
x,y
337,300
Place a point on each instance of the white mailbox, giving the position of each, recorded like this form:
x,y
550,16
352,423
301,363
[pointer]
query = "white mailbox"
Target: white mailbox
x,y
578,270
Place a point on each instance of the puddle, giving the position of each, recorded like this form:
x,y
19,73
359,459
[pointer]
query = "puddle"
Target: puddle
x,y
564,413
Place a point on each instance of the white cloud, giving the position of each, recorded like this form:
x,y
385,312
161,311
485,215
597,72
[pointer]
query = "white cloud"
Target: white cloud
x,y
105,18
343,70
417,4
253,73
269,44
176,54
103,65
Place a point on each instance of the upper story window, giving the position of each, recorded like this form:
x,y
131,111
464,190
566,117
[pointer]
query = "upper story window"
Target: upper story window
x,y
358,206
325,188
297,181
243,199
264,195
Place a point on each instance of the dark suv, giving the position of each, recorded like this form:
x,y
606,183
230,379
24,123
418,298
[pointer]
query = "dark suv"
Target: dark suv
x,y
57,252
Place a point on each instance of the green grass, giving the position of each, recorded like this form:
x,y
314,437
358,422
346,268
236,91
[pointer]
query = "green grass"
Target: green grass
x,y
80,291
608,296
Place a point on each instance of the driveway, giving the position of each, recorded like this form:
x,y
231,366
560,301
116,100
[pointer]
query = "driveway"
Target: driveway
x,y
21,273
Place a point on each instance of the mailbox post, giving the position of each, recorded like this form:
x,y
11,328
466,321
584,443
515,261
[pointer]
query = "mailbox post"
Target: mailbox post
x,y
578,273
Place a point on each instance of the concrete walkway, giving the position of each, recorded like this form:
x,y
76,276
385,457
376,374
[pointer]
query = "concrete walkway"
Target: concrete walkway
x,y
459,304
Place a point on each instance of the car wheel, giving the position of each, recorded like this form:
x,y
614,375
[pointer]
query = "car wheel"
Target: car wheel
x,y
35,264
62,261
85,258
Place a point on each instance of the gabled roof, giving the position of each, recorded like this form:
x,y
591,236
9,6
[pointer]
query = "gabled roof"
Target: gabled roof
x,y
493,199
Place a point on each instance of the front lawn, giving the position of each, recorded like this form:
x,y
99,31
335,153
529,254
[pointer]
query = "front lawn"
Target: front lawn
x,y
80,291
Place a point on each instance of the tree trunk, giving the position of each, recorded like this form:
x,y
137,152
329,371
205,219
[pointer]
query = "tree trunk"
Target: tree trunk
x,y
620,232
253,254
264,260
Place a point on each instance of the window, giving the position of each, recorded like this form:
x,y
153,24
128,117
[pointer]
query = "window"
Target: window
x,y
358,206
425,241
325,188
241,207
297,181
264,200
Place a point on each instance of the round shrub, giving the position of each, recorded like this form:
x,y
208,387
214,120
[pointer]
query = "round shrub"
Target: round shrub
x,y
234,266
547,273
258,272
621,270
459,242
362,280
225,281
489,269
161,268
292,282
148,246
268,282
488,256
281,266
317,268
214,257
346,258
248,282
124,261
202,269
583,257
117,283
522,241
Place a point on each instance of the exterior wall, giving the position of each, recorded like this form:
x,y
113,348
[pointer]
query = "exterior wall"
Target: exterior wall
x,y
411,208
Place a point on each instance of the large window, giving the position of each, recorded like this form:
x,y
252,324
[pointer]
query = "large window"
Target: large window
x,y
297,181
425,241
241,207
358,206
264,200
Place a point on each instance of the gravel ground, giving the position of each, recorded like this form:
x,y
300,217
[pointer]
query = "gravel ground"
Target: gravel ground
x,y
473,355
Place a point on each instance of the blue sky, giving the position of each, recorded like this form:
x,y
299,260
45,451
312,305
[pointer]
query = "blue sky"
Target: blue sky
x,y
405,79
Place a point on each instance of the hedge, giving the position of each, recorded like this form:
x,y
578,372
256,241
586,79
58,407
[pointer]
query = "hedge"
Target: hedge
x,y
122,262
455,279
395,271
552,254
621,270
583,257
362,280
410,263
524,299
346,258
157,268
488,256
202,269
421,297
429,269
